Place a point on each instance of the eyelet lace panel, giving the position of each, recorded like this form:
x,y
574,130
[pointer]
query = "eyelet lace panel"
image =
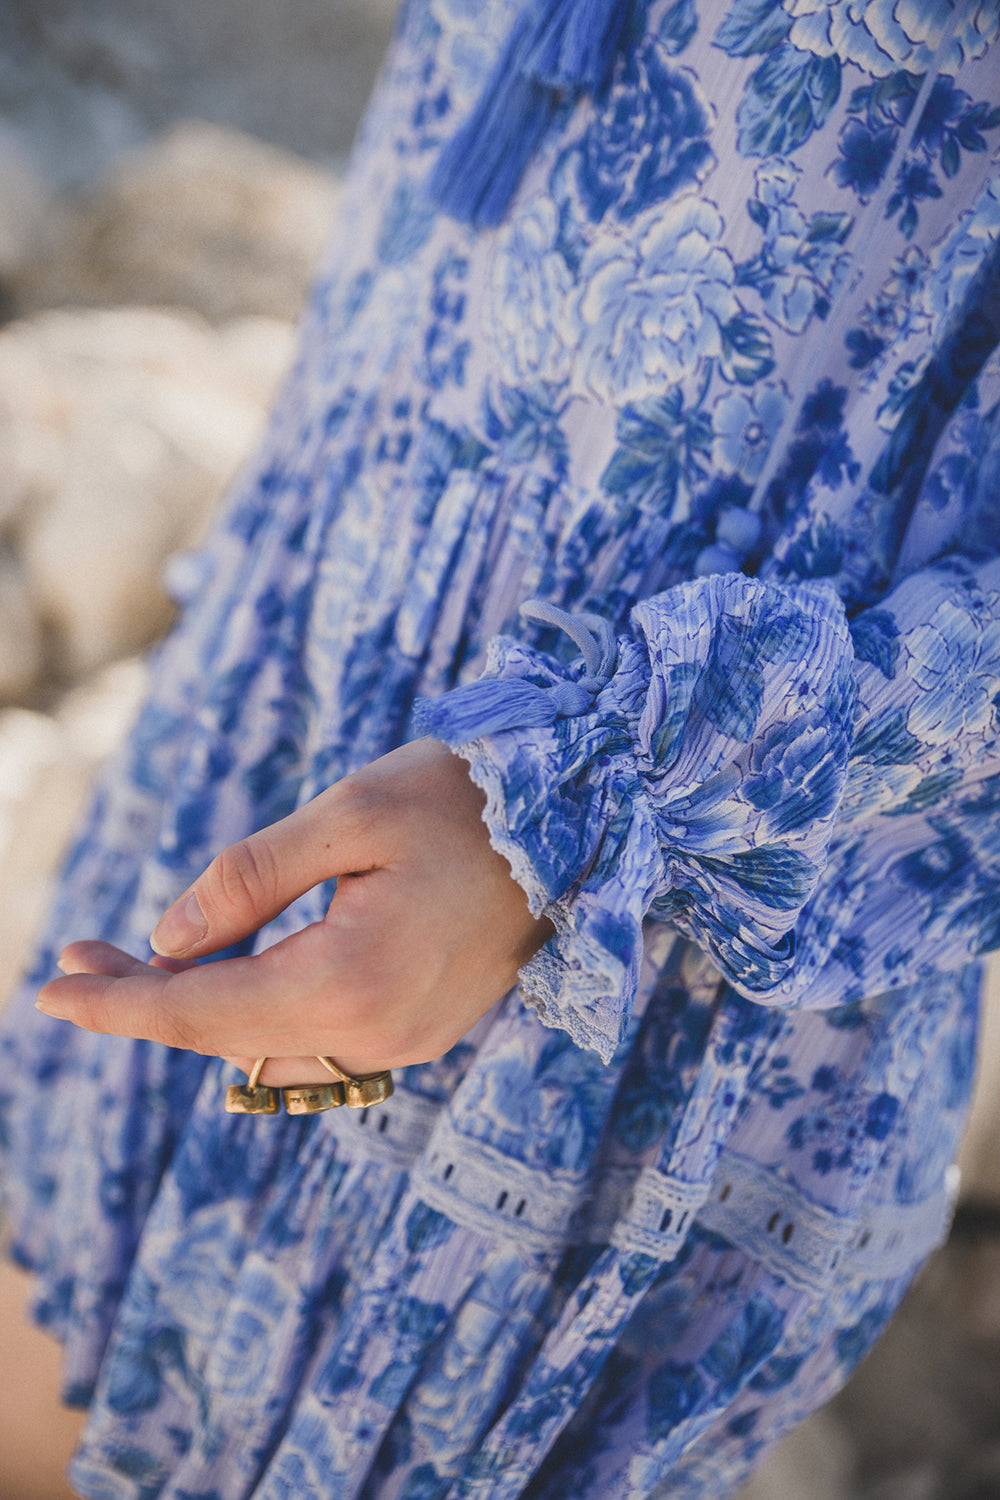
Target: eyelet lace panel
x,y
652,1212
658,1217
396,1133
804,1244
480,1187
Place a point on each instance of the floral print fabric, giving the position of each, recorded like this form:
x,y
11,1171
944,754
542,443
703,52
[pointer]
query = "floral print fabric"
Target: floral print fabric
x,y
725,376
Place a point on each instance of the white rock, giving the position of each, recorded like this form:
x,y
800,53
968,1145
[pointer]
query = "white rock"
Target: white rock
x,y
21,654
42,783
34,426
47,763
119,431
205,218
259,351
93,560
95,717
28,743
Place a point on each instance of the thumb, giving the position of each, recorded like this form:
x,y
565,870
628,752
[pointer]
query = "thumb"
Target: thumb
x,y
251,881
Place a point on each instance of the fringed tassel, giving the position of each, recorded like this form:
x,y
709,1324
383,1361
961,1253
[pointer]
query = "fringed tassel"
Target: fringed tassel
x,y
576,42
557,48
478,170
488,706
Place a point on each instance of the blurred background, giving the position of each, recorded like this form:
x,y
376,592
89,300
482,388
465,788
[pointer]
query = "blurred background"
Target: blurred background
x,y
168,176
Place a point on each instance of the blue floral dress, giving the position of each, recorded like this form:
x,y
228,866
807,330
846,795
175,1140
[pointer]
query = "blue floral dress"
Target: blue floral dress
x,y
691,333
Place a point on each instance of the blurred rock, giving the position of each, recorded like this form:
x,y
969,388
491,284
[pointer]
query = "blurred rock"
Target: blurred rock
x,y
24,199
205,217
46,766
42,784
21,654
119,429
979,1158
74,120
87,80
918,1483
978,1478
814,1462
923,1405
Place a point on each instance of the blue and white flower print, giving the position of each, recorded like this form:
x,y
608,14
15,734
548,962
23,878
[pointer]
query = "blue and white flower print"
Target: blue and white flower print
x,y
959,255
531,291
661,455
801,262
744,427
955,659
722,386
654,308
648,143
895,313
883,35
791,93
951,124
809,47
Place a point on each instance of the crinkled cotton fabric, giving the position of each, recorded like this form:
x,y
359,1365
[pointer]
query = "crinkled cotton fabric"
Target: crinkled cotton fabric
x,y
723,376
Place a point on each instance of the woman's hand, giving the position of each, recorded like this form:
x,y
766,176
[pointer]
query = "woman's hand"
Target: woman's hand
x,y
427,930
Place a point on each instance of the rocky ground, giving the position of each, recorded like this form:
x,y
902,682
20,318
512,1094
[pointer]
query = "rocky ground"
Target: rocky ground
x,y
151,265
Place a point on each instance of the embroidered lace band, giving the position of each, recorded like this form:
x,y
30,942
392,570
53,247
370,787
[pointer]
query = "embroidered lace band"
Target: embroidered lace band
x,y
653,1212
804,1244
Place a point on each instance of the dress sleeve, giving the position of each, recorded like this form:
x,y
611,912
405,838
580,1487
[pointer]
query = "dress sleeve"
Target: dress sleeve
x,y
807,801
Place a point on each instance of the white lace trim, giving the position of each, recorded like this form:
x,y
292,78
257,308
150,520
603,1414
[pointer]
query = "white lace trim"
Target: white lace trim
x,y
568,982
658,1215
483,1189
396,1132
795,1239
748,1204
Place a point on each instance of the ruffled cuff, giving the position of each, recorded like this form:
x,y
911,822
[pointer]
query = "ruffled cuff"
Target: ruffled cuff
x,y
691,770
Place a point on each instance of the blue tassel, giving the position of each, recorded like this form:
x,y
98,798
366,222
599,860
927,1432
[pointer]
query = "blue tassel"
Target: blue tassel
x,y
556,49
478,170
576,42
494,704
488,706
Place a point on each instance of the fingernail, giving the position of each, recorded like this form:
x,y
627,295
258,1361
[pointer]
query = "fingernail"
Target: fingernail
x,y
50,1006
180,928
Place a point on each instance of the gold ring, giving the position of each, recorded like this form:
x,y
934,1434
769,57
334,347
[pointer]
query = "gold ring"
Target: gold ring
x,y
356,1091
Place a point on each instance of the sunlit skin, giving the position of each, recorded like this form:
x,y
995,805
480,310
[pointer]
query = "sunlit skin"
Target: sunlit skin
x,y
426,932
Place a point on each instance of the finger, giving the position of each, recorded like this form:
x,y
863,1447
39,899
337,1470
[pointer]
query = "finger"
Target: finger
x,y
143,1002
285,1002
94,957
251,881
93,999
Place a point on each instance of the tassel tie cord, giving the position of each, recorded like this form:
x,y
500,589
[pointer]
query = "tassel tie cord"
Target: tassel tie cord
x,y
556,51
494,704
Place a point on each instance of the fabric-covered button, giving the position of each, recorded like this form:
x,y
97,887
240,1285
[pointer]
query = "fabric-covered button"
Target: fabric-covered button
x,y
716,558
739,529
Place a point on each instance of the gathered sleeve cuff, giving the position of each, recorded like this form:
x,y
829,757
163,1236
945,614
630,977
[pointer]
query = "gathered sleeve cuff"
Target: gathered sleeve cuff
x,y
694,775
